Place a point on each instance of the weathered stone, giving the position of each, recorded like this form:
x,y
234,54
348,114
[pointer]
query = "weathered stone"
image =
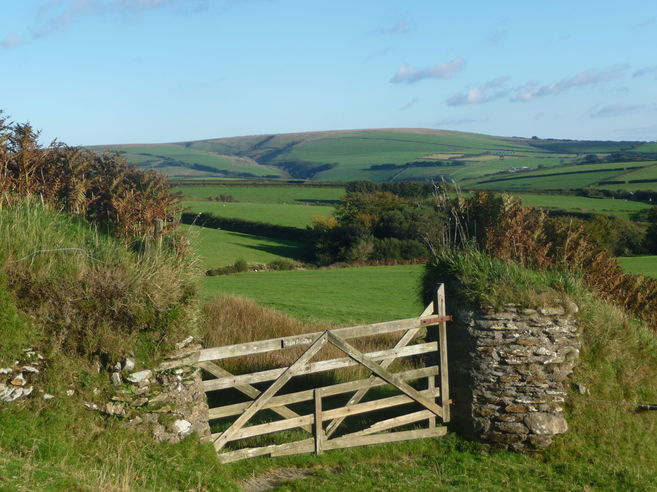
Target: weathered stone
x,y
185,342
540,442
70,392
128,364
18,380
517,408
48,396
6,370
512,427
115,409
31,369
546,423
581,389
116,379
503,437
182,426
140,376
139,402
91,406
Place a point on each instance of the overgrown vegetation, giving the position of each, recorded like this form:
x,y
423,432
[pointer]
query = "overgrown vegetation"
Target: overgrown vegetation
x,y
104,189
500,226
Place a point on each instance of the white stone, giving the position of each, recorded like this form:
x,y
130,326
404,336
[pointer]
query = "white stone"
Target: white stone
x,y
182,426
15,394
27,391
91,406
48,396
5,370
18,380
128,364
31,369
185,342
116,379
140,376
70,392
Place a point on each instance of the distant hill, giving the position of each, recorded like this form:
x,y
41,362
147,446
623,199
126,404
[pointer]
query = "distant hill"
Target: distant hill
x,y
473,160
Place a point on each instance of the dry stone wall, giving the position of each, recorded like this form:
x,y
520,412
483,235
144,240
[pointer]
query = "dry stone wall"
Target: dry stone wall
x,y
507,373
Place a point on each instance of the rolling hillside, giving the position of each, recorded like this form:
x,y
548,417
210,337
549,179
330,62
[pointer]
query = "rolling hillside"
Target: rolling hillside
x,y
473,160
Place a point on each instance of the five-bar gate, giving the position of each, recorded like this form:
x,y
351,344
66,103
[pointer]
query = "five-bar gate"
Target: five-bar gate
x,y
421,379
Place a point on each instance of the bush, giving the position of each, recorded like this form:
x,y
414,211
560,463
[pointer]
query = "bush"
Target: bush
x,y
283,264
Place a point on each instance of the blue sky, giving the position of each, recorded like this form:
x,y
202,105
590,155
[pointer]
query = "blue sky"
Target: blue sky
x,y
130,71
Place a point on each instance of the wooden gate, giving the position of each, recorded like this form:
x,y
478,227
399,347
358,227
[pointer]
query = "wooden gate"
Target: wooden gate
x,y
422,346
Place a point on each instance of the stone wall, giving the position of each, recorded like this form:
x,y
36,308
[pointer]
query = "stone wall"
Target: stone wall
x,y
507,373
168,401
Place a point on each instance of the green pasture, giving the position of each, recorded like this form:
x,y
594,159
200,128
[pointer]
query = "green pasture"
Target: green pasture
x,y
264,194
272,213
152,155
647,147
648,172
569,203
550,182
216,248
342,296
647,265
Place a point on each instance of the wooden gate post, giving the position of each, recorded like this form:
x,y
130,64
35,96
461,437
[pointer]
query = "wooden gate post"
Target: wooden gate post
x,y
439,304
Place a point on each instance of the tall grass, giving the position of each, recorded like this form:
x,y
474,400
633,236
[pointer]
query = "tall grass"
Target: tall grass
x,y
87,292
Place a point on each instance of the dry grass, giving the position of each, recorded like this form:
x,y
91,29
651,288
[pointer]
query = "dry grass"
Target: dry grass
x,y
231,320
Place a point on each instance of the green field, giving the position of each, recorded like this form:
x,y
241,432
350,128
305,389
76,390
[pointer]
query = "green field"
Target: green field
x,y
647,265
340,156
264,194
217,248
178,160
569,203
341,296
273,213
567,177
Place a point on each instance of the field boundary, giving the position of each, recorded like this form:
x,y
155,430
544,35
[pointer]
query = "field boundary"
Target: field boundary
x,y
421,353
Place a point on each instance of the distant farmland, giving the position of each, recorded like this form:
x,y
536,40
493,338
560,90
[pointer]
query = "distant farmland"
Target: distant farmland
x,y
473,160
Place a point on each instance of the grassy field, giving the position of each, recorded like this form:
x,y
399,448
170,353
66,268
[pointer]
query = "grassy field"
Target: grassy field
x,y
272,213
217,248
647,265
264,194
569,203
341,296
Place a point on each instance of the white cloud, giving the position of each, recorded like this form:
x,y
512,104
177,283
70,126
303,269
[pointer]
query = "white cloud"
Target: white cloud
x,y
58,15
590,77
613,110
410,75
11,40
481,94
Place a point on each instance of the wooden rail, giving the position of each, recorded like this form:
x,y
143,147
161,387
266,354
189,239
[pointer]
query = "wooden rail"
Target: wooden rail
x,y
424,388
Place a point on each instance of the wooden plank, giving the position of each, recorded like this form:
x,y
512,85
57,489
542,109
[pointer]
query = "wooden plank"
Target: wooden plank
x,y
358,396
434,320
315,367
319,426
307,446
281,425
383,373
271,391
240,454
431,384
336,389
252,348
442,347
249,391
387,424
350,442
